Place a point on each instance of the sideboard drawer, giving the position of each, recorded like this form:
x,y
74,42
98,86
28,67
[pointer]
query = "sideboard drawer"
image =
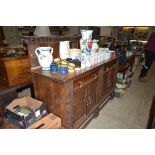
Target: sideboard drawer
x,y
84,80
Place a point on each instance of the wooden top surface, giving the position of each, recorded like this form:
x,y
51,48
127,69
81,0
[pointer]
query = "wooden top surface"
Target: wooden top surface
x,y
65,77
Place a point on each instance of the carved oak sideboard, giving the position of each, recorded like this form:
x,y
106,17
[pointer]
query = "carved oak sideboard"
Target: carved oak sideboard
x,y
76,97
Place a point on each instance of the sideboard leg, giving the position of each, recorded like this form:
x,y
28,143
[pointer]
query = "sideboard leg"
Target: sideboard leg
x,y
112,95
96,113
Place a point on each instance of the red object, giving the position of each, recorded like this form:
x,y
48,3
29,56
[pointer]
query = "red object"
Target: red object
x,y
90,44
113,54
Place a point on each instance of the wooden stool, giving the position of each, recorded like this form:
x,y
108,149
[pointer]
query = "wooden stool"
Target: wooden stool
x,y
122,68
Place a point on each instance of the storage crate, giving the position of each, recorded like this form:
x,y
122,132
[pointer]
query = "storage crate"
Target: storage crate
x,y
14,115
48,122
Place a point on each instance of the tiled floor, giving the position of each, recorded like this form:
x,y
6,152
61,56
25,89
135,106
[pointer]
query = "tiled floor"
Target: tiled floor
x,y
131,111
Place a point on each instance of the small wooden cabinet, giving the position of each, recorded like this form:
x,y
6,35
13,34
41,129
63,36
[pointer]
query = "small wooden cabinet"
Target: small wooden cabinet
x,y
15,70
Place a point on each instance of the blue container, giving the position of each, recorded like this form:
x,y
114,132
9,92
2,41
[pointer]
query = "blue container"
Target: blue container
x,y
54,67
63,70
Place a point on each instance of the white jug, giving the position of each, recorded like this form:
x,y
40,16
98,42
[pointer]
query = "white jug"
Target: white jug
x,y
45,57
64,49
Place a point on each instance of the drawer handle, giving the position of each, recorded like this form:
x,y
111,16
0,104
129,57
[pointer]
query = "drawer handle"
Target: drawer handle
x,y
80,84
94,76
41,125
89,98
107,69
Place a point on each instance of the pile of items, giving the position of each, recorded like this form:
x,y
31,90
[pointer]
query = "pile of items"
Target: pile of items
x,y
122,83
65,65
72,59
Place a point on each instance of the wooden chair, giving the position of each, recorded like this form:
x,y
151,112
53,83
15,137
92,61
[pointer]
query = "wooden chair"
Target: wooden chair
x,y
151,119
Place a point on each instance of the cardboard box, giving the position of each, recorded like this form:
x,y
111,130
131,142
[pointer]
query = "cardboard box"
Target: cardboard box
x,y
48,122
25,111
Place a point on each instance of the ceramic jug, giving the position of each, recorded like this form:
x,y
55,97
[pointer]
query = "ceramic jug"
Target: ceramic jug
x,y
86,42
64,49
45,57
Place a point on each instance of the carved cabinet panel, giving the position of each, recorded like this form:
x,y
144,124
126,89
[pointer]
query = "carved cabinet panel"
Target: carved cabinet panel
x,y
79,105
91,96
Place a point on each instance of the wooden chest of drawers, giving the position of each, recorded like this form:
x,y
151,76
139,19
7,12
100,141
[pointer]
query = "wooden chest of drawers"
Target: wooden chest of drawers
x,y
15,70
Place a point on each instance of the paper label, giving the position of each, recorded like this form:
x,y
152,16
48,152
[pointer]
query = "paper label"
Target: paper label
x,y
37,113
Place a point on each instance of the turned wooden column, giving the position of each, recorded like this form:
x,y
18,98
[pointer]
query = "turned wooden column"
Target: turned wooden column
x,y
67,108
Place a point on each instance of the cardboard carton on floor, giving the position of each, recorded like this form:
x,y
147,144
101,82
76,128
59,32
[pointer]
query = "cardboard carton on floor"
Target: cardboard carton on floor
x,y
48,122
25,111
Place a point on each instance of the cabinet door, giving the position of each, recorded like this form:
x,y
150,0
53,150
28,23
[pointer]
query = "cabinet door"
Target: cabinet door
x,y
100,86
105,84
109,78
79,106
91,96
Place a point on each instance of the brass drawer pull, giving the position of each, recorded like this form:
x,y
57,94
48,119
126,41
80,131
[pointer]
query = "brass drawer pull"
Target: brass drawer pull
x,y
80,84
89,98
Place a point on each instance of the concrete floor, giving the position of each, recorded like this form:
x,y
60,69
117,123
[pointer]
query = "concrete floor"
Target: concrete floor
x,y
132,110
129,112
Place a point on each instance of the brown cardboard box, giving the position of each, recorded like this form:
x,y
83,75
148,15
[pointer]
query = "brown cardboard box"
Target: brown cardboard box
x,y
49,122
38,111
